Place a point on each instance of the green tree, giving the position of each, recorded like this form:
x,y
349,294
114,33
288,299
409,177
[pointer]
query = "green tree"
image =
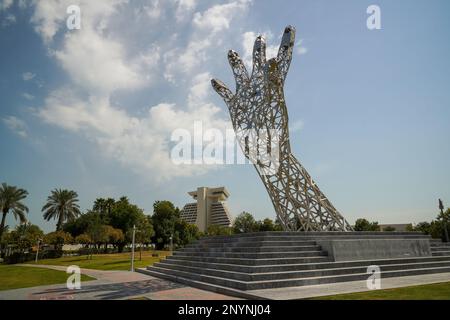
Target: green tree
x,y
97,234
5,236
83,222
11,200
104,235
58,239
115,236
61,205
124,216
83,239
185,233
389,229
444,220
268,225
245,223
215,230
144,233
26,236
164,218
365,225
104,207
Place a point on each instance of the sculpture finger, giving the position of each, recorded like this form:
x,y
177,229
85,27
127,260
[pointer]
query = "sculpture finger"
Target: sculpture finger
x,y
259,55
222,90
273,72
285,51
239,70
274,84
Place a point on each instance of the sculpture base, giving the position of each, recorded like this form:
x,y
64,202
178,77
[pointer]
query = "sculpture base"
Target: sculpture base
x,y
240,265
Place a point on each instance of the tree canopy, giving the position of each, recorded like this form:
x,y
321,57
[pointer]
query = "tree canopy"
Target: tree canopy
x,y
61,205
11,200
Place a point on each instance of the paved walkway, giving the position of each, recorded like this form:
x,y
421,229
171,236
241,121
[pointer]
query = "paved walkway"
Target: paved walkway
x,y
112,285
119,285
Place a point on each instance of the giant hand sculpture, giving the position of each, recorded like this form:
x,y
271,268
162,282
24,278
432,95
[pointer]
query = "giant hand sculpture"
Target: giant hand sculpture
x,y
259,106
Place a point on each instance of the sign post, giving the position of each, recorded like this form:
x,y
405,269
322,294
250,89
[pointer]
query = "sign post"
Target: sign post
x,y
132,249
444,220
37,250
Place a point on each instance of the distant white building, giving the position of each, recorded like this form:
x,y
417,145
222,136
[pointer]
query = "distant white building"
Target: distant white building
x,y
210,208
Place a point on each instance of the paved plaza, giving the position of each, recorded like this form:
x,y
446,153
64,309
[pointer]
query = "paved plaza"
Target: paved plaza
x,y
123,285
112,285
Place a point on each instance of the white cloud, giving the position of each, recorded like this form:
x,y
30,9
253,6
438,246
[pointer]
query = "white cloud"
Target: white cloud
x,y
28,96
16,125
97,63
22,4
138,143
5,4
207,26
184,9
93,58
49,16
218,17
8,20
27,76
153,10
296,126
248,40
300,48
100,61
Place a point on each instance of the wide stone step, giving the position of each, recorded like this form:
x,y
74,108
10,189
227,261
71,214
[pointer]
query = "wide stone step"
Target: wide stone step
x,y
440,248
300,266
260,249
255,262
438,241
319,234
304,238
440,253
242,276
285,259
257,285
255,255
237,284
440,245
258,244
202,285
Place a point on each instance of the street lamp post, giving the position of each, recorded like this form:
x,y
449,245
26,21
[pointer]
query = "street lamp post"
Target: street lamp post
x,y
444,220
132,248
171,242
37,251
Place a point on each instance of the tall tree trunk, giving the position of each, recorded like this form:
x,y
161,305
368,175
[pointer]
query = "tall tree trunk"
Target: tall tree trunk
x,y
60,221
2,227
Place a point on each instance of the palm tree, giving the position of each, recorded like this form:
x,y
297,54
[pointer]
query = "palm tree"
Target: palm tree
x,y
104,207
11,200
61,205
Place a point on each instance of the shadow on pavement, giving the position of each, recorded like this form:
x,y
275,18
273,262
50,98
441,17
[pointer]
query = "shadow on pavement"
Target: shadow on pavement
x,y
114,290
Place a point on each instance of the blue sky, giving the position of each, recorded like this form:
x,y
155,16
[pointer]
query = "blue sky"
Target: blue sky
x,y
93,109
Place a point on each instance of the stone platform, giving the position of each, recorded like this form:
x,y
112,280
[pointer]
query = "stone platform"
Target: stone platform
x,y
244,265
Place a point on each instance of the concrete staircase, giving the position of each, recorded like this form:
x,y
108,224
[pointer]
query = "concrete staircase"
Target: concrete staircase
x,y
439,248
238,264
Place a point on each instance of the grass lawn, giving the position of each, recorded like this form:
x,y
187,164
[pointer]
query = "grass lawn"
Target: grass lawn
x,y
116,261
437,291
15,277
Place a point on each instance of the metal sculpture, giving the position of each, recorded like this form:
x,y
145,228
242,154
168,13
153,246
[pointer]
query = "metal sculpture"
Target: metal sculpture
x,y
259,106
